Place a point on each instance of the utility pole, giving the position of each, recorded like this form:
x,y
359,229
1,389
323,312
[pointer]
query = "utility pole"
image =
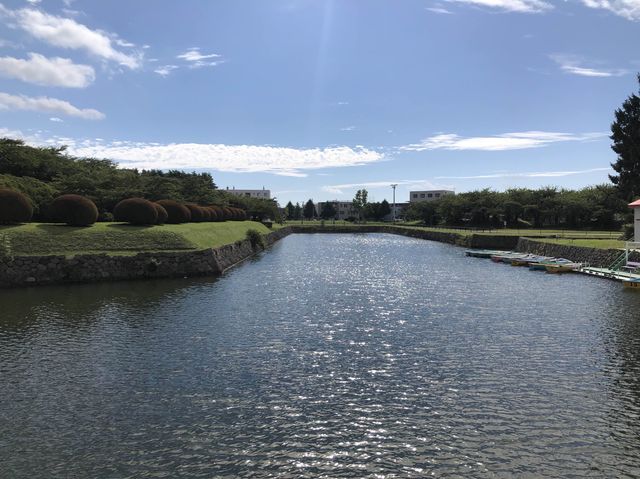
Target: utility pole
x,y
393,211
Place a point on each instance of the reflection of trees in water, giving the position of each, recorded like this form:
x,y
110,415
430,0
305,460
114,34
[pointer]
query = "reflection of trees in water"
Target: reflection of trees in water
x,y
81,305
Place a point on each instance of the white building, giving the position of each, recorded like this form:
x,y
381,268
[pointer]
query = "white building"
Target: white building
x,y
344,209
400,209
429,195
263,194
636,219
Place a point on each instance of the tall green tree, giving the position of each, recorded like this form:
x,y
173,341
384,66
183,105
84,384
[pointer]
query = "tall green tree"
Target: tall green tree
x,y
297,212
360,202
625,134
309,210
328,210
290,211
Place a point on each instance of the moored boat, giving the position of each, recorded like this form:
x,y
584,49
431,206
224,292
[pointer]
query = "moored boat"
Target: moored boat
x,y
631,283
542,265
562,268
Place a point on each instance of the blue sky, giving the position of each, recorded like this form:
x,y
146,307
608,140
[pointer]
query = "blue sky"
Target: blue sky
x,y
318,98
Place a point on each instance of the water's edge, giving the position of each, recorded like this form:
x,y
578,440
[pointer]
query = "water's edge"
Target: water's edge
x,y
24,271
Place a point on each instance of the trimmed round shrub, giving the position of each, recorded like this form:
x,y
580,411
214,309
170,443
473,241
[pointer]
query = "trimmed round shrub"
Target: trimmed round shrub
x,y
237,214
206,214
136,211
176,213
228,214
14,207
213,216
219,212
197,213
74,210
162,214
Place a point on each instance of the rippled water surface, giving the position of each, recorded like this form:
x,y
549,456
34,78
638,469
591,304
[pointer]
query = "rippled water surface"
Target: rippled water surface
x,y
328,356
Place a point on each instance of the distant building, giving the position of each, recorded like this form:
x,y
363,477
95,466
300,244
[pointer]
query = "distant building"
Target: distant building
x,y
264,194
401,209
430,195
344,209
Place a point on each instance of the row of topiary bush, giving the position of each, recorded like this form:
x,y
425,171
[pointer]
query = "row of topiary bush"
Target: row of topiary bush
x,y
76,210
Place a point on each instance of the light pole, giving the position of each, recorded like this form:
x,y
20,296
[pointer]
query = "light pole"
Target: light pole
x,y
393,211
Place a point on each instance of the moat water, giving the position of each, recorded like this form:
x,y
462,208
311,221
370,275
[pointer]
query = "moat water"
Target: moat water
x,y
328,356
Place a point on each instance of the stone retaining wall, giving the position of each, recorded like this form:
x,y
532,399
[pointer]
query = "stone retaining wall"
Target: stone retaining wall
x,y
597,257
42,270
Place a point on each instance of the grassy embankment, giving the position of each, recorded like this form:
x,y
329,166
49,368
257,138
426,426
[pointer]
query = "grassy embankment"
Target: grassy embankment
x,y
590,239
122,239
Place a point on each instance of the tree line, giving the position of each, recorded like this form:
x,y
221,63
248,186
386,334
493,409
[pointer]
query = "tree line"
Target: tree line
x,y
44,173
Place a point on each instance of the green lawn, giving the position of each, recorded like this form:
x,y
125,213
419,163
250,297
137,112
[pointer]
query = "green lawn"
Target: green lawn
x,y
118,238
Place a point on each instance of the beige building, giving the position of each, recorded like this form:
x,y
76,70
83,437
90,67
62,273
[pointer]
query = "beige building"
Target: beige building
x,y
263,194
344,209
429,195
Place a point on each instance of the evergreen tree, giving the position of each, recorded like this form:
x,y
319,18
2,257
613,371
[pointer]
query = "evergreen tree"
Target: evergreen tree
x,y
309,210
290,211
625,134
328,210
297,212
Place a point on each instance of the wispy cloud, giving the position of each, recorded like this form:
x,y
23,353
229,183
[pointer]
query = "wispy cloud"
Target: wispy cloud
x,y
629,9
539,174
340,189
521,6
348,128
49,105
575,66
68,33
165,70
505,141
439,9
40,70
196,59
55,119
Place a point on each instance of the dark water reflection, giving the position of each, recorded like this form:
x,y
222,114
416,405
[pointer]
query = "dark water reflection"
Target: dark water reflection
x,y
329,356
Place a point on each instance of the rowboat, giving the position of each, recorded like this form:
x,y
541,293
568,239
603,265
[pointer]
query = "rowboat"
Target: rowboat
x,y
542,265
527,260
505,258
483,253
631,283
562,268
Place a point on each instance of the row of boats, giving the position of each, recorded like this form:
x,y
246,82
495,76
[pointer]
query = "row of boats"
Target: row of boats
x,y
532,261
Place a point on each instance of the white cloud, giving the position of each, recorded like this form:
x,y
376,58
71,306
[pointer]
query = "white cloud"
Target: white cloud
x,y
41,70
45,104
348,128
522,6
574,66
541,174
231,158
439,10
423,184
197,59
629,9
165,70
55,119
506,141
67,33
